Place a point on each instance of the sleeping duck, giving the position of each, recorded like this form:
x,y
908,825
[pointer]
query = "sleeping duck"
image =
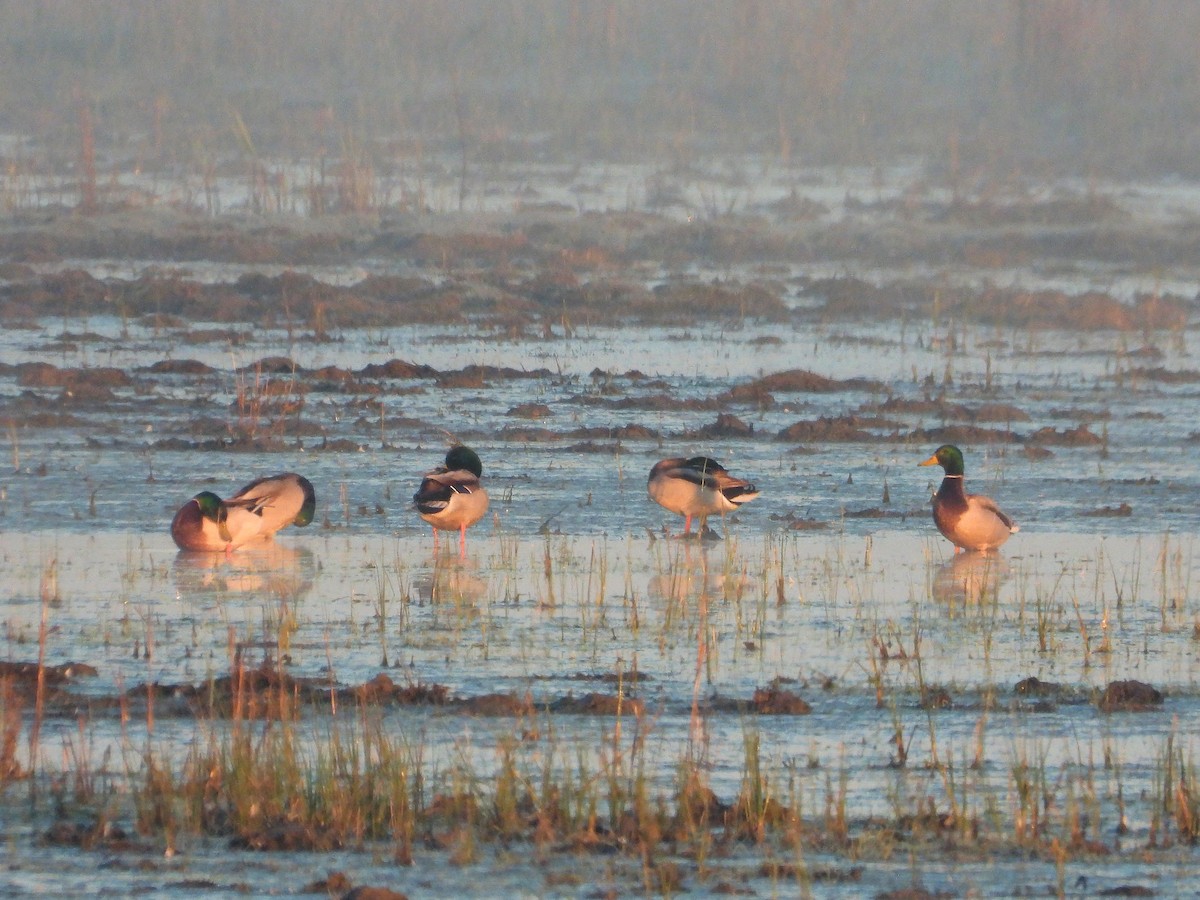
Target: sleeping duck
x,y
450,497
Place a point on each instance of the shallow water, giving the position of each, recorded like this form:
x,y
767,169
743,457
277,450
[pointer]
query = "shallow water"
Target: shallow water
x,y
573,577
496,621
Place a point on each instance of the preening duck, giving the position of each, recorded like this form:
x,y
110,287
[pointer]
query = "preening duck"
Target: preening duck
x,y
699,486
256,512
279,500
450,497
969,521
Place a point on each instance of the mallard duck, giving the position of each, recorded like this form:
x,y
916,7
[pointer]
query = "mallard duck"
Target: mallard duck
x,y
256,512
450,497
969,521
206,522
279,500
699,486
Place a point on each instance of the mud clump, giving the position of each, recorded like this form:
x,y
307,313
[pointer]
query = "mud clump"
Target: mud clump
x,y
1080,436
1090,311
1129,696
727,425
849,297
634,431
804,381
495,705
935,697
1123,510
398,369
962,434
1164,376
267,692
287,836
760,392
1058,211
45,375
660,402
628,677
180,367
23,676
335,884
530,411
381,689
778,701
873,512
479,376
369,892
986,412
1035,687
88,836
524,434
847,429
594,704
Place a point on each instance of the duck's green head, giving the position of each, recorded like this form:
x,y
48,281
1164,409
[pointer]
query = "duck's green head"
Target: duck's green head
x,y
948,457
211,506
308,509
464,458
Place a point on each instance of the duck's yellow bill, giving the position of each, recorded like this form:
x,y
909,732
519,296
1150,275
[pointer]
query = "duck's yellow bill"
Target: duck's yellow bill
x,y
932,461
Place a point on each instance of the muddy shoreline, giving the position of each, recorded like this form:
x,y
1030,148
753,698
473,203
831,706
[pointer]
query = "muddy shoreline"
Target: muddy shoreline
x,y
533,276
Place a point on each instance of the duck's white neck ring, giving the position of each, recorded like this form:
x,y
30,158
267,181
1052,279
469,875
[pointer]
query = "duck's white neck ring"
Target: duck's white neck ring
x,y
952,476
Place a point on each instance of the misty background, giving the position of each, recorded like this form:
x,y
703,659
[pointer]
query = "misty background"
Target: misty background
x,y
1076,86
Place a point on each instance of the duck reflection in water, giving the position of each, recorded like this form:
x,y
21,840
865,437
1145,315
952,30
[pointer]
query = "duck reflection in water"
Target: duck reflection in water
x,y
450,580
688,576
263,569
970,579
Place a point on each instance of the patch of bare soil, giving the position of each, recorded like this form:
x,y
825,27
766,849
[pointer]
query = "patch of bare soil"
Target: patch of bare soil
x,y
777,701
849,297
727,425
660,402
944,409
269,692
1109,512
1092,209
1080,436
962,434
1164,376
554,272
40,374
832,429
760,391
1129,696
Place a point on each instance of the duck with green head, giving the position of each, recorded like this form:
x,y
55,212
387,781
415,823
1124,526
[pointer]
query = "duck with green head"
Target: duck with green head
x,y
969,521
451,497
256,512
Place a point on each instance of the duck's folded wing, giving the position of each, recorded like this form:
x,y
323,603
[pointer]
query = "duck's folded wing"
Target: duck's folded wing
x,y
700,470
259,494
736,490
439,488
990,505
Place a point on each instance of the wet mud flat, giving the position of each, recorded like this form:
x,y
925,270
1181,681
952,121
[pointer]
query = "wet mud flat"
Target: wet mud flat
x,y
825,700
